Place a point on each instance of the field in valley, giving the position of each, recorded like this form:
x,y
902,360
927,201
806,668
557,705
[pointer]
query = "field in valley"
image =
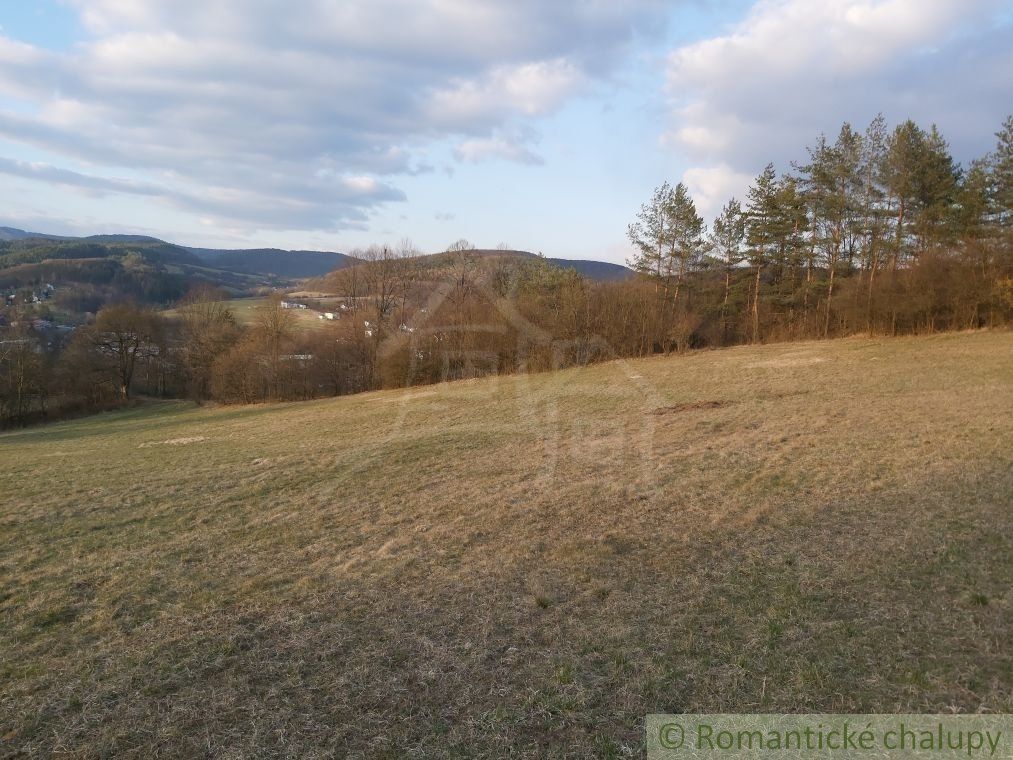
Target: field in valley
x,y
516,566
247,313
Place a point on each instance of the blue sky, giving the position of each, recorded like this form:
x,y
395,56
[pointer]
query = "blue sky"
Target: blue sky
x,y
239,123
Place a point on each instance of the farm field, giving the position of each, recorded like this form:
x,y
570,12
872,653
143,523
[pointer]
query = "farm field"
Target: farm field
x,y
516,566
246,311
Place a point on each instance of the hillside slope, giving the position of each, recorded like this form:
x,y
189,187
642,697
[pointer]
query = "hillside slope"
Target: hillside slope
x,y
90,272
602,271
13,233
520,565
292,264
269,262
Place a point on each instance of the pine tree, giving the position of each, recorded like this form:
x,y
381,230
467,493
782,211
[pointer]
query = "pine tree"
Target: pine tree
x,y
872,211
649,234
762,219
791,227
903,157
685,234
727,237
1002,170
831,181
668,234
938,178
905,149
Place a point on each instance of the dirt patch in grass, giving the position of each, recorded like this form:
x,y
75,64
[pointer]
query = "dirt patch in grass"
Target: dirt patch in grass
x,y
689,406
787,361
185,441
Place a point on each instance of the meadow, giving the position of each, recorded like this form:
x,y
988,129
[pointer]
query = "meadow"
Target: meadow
x,y
247,313
516,566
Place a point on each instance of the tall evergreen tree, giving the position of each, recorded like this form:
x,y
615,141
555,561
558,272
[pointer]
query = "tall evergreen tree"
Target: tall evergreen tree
x,y
903,159
685,234
649,234
831,181
1002,169
793,248
668,234
728,234
938,178
762,234
872,211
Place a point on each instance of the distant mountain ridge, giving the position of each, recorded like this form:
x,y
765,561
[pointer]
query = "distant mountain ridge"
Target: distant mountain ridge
x,y
296,264
602,271
293,264
13,233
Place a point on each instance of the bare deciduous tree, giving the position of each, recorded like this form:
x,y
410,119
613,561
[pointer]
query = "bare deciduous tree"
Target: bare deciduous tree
x,y
208,330
125,335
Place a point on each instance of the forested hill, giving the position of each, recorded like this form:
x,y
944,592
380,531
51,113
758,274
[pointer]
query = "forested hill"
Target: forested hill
x,y
601,271
293,264
271,262
13,233
80,275
77,276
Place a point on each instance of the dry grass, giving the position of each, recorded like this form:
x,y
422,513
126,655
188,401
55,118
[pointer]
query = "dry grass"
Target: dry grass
x,y
521,566
247,313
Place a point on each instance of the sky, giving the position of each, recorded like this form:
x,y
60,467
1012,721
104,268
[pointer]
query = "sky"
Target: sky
x,y
334,124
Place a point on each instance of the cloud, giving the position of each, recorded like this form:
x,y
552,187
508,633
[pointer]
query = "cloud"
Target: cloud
x,y
301,205
37,220
530,89
273,115
67,178
505,145
712,186
792,69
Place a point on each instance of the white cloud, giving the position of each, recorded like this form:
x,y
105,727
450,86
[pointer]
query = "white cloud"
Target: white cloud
x,y
67,178
529,89
792,69
712,186
286,115
506,145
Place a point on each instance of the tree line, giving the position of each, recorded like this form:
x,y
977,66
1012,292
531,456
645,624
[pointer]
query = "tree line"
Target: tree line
x,y
878,232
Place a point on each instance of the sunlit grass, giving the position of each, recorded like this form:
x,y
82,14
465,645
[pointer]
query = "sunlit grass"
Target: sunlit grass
x,y
516,565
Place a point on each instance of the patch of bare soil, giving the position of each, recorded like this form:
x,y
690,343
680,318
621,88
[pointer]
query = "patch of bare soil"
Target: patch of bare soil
x,y
175,441
690,406
787,361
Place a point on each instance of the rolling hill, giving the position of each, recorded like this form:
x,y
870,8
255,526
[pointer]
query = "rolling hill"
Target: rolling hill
x,y
12,233
296,265
88,273
270,262
518,566
602,271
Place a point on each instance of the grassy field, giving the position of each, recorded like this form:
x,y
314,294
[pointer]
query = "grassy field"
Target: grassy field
x,y
246,311
518,566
